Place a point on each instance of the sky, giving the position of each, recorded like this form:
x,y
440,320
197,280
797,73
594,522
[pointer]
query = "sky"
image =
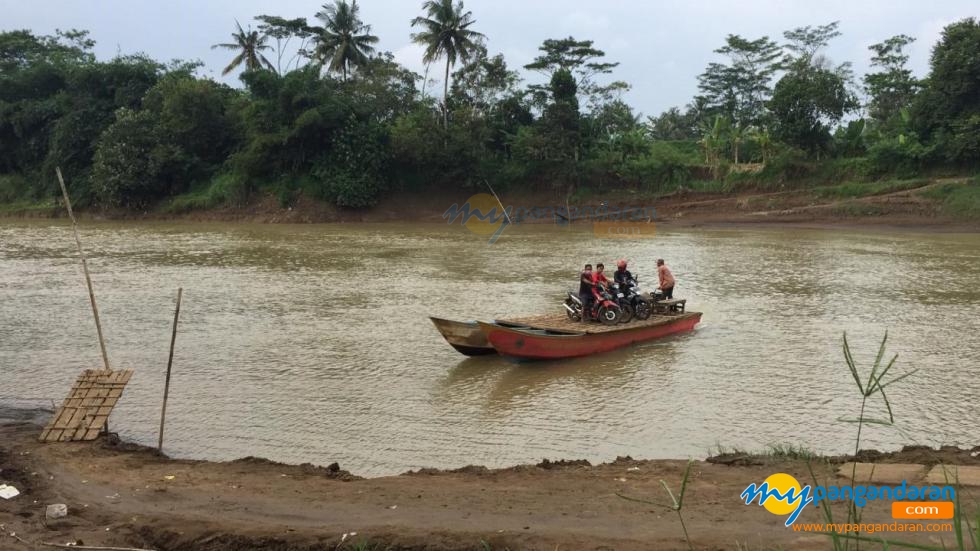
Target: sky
x,y
661,46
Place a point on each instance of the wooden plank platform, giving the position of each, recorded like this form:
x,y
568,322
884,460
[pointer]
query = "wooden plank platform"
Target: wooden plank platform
x,y
560,322
669,305
86,410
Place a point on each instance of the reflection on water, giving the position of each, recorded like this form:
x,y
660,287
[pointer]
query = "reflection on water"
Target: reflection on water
x,y
311,343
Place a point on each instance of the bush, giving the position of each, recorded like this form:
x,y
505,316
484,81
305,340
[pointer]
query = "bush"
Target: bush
x,y
663,166
848,168
13,187
904,157
226,188
352,174
345,188
788,165
129,161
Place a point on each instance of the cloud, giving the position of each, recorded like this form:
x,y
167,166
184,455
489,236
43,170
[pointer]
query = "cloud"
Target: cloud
x,y
580,22
410,55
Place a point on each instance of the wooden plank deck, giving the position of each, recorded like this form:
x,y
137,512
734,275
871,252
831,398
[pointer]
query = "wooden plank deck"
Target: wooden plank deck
x,y
560,322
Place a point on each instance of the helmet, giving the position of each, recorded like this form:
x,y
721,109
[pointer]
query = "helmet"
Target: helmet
x,y
621,264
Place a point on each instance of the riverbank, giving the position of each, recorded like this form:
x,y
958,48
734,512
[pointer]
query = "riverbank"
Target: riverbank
x,y
912,205
129,496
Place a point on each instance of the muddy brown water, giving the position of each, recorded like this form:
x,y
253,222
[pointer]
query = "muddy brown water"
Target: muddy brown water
x,y
310,343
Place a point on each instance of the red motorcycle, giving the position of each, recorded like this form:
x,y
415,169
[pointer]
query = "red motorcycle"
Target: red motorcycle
x,y
604,307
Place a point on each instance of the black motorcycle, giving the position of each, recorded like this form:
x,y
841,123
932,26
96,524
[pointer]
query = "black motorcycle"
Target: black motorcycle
x,y
631,300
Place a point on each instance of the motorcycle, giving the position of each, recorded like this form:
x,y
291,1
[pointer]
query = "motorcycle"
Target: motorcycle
x,y
606,309
625,304
642,308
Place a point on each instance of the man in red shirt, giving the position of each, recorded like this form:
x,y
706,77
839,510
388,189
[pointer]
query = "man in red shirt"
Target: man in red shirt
x,y
666,279
599,280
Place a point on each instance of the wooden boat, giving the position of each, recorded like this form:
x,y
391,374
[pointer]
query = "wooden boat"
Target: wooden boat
x,y
467,337
553,337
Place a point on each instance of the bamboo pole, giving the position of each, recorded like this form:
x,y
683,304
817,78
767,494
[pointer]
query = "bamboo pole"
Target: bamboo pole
x,y
499,202
170,361
88,278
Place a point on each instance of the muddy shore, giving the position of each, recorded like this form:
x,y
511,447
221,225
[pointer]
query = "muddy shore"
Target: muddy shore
x,y
129,496
905,210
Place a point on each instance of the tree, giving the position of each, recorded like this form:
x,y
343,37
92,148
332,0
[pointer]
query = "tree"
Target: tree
x,y
740,89
484,81
250,45
763,139
947,111
284,31
803,43
582,61
561,118
672,124
132,165
22,49
713,138
893,87
737,134
446,33
805,104
344,42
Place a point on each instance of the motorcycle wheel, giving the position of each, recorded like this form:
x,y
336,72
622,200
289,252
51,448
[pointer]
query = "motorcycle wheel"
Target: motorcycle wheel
x,y
609,316
574,314
642,310
626,313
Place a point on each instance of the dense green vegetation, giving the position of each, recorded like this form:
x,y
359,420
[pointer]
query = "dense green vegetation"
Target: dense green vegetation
x,y
323,114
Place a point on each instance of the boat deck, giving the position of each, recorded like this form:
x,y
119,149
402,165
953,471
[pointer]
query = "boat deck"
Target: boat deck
x,y
560,322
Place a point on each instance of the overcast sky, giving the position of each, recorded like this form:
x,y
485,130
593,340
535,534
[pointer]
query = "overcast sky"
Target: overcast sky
x,y
661,46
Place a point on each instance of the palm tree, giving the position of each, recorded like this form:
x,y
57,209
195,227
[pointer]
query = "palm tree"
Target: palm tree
x,y
252,44
446,33
344,41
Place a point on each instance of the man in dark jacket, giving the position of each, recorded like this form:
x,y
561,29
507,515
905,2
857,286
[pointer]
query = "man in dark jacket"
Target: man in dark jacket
x,y
585,291
622,275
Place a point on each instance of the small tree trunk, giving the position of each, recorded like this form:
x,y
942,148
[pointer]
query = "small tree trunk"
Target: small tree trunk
x,y
445,98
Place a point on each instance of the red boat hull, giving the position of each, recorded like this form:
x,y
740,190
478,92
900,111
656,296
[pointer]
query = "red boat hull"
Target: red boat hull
x,y
538,345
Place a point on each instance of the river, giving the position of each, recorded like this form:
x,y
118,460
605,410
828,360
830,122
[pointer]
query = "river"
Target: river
x,y
311,343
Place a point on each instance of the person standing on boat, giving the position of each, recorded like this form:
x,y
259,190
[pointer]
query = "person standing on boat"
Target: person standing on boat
x,y
585,291
666,279
622,275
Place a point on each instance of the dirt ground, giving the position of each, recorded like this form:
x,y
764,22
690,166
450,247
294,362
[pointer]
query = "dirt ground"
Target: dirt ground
x,y
126,496
903,209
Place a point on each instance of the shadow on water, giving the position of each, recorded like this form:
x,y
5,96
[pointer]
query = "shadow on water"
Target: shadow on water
x,y
498,383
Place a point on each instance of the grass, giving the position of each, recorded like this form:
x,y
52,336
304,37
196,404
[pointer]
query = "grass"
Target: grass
x,y
790,452
224,189
959,200
27,206
857,209
585,194
850,190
